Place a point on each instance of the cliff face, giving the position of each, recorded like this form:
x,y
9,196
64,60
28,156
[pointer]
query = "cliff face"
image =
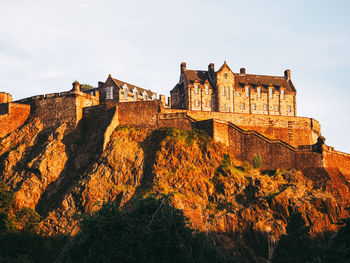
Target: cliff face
x,y
64,176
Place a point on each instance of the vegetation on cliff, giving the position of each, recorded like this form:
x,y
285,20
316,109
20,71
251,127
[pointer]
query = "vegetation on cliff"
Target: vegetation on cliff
x,y
65,177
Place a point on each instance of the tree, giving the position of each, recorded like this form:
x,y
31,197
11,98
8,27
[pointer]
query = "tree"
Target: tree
x,y
296,245
152,231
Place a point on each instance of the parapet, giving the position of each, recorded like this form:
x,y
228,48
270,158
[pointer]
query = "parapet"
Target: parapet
x,y
5,97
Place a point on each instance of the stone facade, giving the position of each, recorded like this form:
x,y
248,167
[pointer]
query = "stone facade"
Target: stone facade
x,y
226,91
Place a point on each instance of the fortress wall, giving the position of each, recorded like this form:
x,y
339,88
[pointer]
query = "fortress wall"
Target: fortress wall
x,y
56,108
335,159
15,116
274,153
293,130
143,114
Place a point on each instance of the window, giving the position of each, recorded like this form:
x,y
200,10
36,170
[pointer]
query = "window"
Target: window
x,y
282,94
126,92
265,106
223,91
196,90
276,108
270,93
207,89
229,109
197,103
208,103
238,94
224,107
135,95
242,106
144,94
259,92
289,108
109,93
154,96
247,91
225,75
228,92
253,106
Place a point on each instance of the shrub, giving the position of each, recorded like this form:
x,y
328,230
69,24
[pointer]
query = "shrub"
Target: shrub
x,y
257,162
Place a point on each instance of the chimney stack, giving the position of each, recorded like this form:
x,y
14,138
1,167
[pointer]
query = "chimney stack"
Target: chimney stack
x,y
242,71
211,68
287,74
183,66
76,86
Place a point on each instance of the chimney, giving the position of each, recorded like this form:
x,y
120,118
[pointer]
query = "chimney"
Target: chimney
x,y
183,66
287,74
211,68
242,71
76,86
100,84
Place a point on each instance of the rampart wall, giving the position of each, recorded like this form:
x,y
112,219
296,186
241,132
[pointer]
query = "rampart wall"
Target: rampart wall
x,y
56,108
293,130
336,159
12,115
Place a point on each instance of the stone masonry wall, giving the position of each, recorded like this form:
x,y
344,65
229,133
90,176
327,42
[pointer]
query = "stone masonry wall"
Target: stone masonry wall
x,y
293,130
14,116
335,159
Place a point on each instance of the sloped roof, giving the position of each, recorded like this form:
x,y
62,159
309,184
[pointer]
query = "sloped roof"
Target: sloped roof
x,y
121,83
264,80
247,79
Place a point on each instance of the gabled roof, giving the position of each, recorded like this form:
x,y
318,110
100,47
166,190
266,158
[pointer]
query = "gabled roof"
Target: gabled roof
x,y
264,80
121,83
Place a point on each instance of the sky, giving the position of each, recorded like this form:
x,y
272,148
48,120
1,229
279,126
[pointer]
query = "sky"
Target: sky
x,y
45,45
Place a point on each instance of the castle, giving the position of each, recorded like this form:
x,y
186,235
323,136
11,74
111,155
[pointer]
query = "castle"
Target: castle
x,y
252,114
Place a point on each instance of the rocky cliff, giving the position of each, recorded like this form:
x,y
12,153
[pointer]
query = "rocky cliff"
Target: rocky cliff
x,y
64,176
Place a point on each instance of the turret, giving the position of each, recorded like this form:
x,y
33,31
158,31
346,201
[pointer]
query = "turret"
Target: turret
x,y
76,86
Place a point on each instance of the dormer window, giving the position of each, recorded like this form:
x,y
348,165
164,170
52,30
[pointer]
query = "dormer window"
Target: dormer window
x,y
206,89
259,92
126,91
144,95
135,94
196,89
270,93
109,93
153,96
247,91
282,94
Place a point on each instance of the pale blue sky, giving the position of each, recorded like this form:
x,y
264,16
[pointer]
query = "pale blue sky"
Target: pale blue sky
x,y
45,45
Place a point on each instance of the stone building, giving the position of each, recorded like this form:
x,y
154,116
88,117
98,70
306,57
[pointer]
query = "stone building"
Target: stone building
x,y
226,91
120,91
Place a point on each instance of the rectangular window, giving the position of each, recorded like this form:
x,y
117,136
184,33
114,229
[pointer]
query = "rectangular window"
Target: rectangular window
x,y
208,103
144,96
282,94
276,108
265,106
229,109
247,91
253,106
126,93
259,92
228,92
223,91
206,89
197,103
242,106
196,89
224,107
270,93
109,93
289,108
